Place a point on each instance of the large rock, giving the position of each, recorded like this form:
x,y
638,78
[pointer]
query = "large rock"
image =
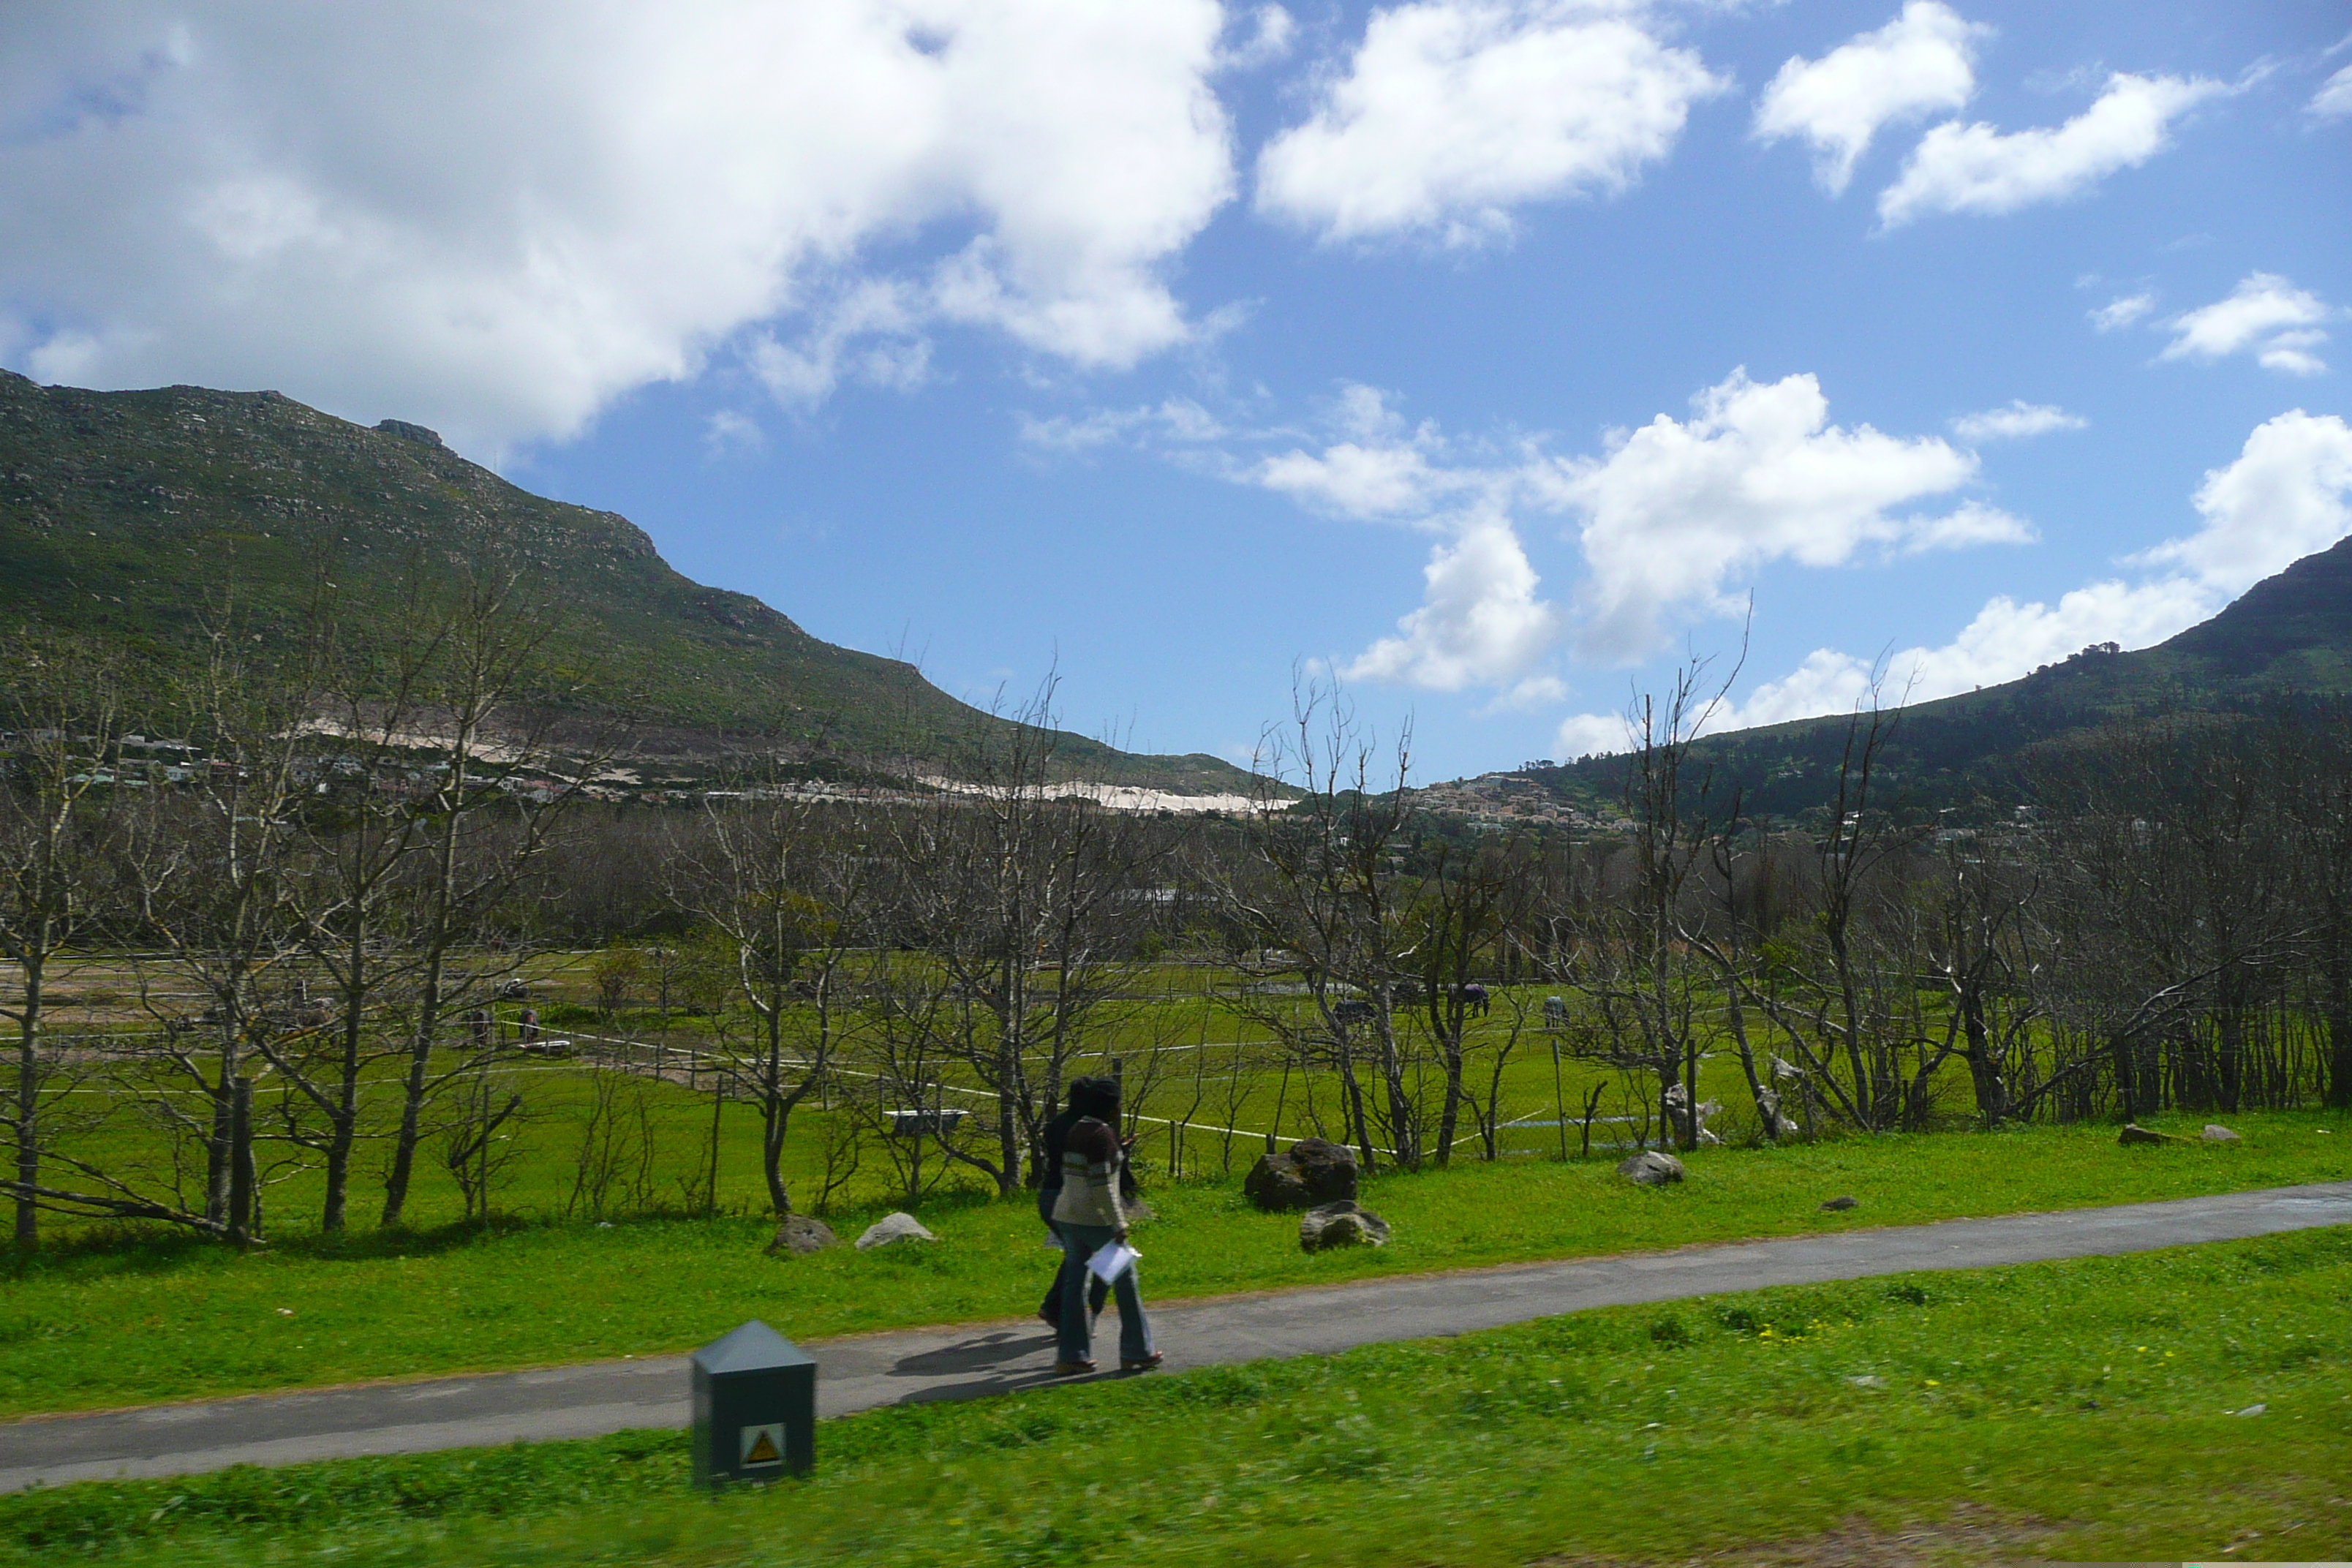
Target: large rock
x,y
1340,1224
1651,1168
2133,1132
800,1236
893,1228
1315,1171
2216,1134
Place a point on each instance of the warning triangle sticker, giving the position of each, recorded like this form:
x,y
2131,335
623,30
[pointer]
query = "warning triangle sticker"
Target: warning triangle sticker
x,y
762,1450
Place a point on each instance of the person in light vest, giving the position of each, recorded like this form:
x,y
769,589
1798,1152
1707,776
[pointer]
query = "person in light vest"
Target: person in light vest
x,y
1089,1216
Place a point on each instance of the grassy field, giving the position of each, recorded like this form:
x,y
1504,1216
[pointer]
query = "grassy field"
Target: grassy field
x,y
1206,1087
2085,1410
121,1322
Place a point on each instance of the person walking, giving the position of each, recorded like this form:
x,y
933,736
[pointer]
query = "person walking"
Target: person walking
x,y
1088,1216
1049,1193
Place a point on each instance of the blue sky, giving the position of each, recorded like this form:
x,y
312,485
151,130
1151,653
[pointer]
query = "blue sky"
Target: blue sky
x,y
1491,355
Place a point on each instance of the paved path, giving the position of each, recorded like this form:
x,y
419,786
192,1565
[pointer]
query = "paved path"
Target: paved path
x,y
975,1361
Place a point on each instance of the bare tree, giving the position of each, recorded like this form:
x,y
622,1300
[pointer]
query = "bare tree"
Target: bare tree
x,y
1321,890
787,891
1023,898
491,753
63,713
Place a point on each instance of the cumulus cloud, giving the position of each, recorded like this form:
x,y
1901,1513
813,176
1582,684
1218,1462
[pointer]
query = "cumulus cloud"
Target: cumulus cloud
x,y
1921,62
1757,474
1976,168
2284,497
2266,315
2334,98
2017,421
2282,500
2121,312
1480,622
498,217
1452,112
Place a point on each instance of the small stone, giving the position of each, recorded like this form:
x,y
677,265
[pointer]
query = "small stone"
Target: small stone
x,y
801,1234
2216,1134
2133,1132
1839,1206
1342,1224
1868,1381
2250,1410
893,1228
1649,1168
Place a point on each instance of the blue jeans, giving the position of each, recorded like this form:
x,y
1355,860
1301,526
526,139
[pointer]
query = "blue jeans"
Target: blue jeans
x,y
1050,1309
1076,1336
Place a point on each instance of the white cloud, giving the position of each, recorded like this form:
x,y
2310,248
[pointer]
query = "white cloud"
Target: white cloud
x,y
2282,500
2121,312
1452,112
1177,420
1921,62
2265,313
731,430
2284,497
2019,420
1757,475
1479,622
1969,524
496,218
872,333
1960,168
1272,33
2334,98
1379,470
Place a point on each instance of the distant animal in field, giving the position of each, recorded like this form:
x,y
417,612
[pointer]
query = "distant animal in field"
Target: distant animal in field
x,y
1555,1012
1354,1010
1475,999
1405,991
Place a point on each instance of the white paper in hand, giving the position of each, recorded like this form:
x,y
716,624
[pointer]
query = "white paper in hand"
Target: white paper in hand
x,y
1112,1260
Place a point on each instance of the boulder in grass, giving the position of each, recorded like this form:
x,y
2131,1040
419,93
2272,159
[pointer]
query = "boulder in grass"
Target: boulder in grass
x,y
892,1228
1651,1168
1341,1224
2216,1134
1314,1170
800,1234
2133,1132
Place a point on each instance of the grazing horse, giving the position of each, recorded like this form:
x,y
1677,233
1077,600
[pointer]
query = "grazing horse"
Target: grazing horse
x,y
1475,999
1555,1012
1354,1010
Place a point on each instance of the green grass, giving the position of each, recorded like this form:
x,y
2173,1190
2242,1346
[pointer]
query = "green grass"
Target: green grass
x,y
141,1321
2074,1410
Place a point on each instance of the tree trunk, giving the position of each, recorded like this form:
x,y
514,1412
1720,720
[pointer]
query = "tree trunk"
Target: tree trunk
x,y
241,1172
28,1099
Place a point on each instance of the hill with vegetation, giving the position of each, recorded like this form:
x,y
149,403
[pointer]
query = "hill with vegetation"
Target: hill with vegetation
x,y
129,516
2288,637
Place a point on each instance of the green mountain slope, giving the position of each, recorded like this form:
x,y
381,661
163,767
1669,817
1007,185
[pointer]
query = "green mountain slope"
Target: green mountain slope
x,y
121,511
2290,634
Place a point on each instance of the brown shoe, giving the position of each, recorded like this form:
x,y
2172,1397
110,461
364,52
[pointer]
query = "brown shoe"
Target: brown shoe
x,y
1073,1368
1146,1364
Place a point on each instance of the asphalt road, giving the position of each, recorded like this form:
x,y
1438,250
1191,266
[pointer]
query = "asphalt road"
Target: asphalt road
x,y
971,1362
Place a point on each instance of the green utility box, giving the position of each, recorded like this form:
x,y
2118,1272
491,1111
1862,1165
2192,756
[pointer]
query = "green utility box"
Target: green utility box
x,y
754,1407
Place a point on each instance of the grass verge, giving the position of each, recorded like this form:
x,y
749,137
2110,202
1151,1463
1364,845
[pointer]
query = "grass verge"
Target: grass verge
x,y
2079,1410
145,1321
